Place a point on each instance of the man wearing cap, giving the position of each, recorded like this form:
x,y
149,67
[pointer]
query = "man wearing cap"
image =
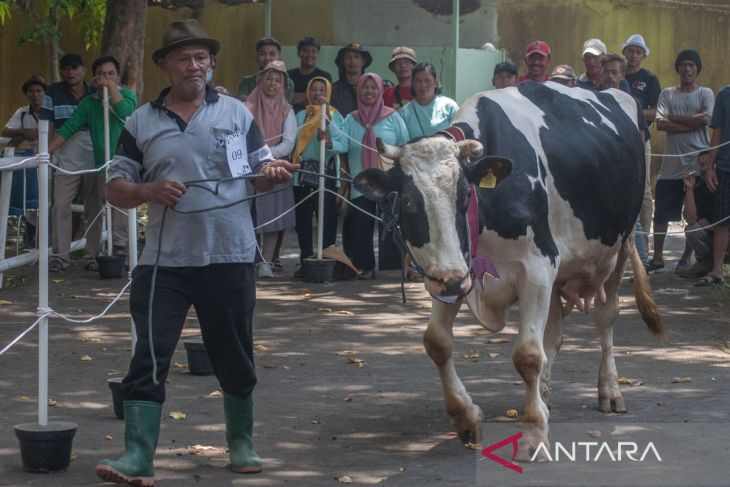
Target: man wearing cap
x,y
308,52
199,258
505,74
23,125
537,59
89,115
76,155
593,52
563,74
645,88
352,61
267,49
401,64
683,112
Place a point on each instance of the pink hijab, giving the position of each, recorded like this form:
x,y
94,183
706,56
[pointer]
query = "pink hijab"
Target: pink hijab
x,y
269,111
368,116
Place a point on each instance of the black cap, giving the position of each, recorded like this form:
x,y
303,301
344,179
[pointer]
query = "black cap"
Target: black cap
x,y
688,55
505,66
71,60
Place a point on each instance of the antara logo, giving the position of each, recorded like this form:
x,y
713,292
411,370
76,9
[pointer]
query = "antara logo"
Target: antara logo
x,y
616,451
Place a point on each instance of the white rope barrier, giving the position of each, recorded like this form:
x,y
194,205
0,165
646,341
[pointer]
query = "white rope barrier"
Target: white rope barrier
x,y
287,211
20,163
692,152
48,312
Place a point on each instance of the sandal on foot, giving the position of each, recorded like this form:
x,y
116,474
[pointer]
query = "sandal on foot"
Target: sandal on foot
x,y
654,266
710,280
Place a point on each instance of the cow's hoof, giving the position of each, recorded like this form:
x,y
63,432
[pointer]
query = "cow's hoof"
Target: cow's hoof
x,y
468,425
470,437
609,405
527,449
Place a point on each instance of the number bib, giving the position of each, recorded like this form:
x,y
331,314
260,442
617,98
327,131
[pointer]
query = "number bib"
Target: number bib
x,y
236,154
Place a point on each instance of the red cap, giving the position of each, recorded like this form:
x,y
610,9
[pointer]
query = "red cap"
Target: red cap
x,y
541,47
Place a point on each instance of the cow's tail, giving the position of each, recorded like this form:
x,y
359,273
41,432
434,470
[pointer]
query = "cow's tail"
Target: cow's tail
x,y
644,296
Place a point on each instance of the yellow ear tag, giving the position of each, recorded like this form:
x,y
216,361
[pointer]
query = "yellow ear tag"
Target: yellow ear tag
x,y
489,180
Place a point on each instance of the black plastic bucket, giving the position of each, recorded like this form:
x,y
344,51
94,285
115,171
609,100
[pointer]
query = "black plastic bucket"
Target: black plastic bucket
x,y
115,384
110,266
198,361
46,448
319,270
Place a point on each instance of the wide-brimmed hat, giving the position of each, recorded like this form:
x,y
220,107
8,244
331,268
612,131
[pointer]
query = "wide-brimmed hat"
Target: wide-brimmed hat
x,y
402,52
354,47
184,33
344,269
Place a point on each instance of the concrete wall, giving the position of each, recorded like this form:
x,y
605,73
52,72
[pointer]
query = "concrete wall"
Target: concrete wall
x,y
401,22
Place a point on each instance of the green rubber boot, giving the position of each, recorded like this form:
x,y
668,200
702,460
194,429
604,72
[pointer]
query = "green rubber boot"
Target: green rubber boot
x,y
239,433
141,429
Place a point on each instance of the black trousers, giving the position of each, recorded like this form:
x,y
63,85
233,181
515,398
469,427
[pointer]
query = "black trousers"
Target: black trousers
x,y
304,213
357,234
223,295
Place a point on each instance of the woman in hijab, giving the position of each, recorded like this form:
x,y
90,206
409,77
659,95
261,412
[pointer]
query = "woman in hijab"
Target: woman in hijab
x,y
277,122
429,111
361,128
306,153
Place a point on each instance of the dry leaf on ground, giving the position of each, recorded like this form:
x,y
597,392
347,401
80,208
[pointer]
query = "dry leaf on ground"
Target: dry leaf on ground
x,y
473,356
594,434
52,402
497,341
356,361
178,415
108,437
58,281
344,312
345,480
511,413
215,393
473,446
624,381
24,398
4,302
85,358
178,365
677,380
325,310
260,348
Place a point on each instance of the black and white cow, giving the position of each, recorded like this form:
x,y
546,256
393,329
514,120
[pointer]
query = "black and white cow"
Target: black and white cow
x,y
559,175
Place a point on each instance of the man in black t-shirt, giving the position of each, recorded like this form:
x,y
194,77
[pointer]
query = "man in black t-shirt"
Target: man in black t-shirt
x,y
643,83
308,52
645,88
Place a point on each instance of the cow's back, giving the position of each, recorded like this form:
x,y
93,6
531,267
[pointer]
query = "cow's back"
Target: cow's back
x,y
577,155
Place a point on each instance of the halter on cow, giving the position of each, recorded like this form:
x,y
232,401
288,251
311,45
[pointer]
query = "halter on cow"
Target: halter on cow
x,y
559,175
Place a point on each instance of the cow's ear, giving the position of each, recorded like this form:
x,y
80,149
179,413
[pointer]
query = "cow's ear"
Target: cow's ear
x,y
488,171
373,183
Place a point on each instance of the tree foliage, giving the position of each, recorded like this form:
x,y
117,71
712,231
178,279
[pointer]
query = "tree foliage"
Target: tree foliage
x,y
86,15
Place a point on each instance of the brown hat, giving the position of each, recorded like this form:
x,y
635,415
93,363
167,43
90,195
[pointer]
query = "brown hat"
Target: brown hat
x,y
279,67
402,53
184,33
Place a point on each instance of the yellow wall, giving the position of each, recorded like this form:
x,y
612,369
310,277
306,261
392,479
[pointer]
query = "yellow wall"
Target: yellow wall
x,y
238,28
565,24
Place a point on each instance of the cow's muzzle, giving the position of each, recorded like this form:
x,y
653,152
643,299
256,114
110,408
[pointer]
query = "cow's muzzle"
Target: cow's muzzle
x,y
451,289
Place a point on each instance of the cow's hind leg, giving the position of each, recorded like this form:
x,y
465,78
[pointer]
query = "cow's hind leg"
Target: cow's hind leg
x,y
552,341
529,359
439,342
610,397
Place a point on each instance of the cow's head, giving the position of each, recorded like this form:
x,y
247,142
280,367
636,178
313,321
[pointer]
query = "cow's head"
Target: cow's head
x,y
429,184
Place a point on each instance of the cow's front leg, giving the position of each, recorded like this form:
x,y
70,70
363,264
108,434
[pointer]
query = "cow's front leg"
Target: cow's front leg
x,y
552,341
610,397
439,342
529,359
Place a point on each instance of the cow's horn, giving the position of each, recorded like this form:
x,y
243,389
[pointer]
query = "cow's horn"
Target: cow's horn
x,y
470,148
389,151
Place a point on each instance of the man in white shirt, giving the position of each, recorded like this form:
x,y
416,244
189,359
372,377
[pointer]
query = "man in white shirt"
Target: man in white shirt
x,y
23,125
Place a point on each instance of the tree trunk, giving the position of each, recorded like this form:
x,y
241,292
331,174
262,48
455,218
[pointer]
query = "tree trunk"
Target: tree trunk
x,y
123,38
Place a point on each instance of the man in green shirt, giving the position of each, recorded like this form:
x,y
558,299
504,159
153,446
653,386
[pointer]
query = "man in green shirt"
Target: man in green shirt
x,y
89,115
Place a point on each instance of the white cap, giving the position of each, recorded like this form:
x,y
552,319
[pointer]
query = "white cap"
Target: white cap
x,y
636,40
595,47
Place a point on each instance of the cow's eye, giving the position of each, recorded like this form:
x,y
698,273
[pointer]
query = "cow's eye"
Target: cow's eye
x,y
408,204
